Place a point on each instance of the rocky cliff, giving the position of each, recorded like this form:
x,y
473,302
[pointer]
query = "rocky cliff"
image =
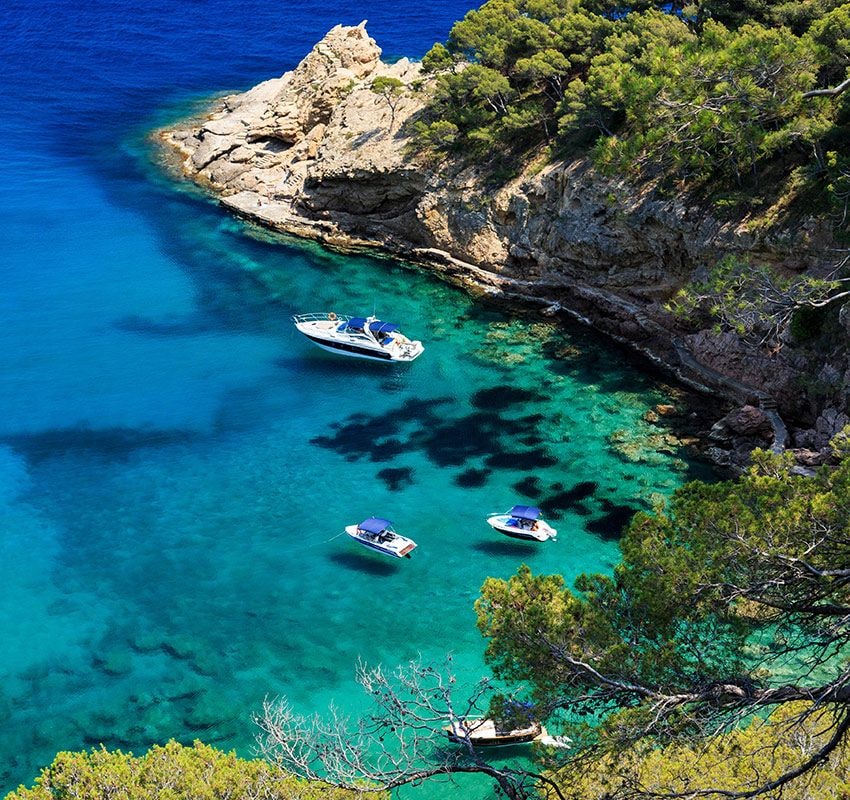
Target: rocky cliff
x,y
319,153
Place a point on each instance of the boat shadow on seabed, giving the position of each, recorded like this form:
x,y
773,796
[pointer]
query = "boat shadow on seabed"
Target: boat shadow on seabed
x,y
365,563
513,549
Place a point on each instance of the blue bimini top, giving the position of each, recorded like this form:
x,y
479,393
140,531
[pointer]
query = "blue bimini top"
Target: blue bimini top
x,y
374,525
525,512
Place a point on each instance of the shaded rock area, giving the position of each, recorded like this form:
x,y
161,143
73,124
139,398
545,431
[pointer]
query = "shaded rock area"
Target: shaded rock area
x,y
738,433
317,153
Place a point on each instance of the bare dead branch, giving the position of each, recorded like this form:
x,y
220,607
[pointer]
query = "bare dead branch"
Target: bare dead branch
x,y
401,742
833,91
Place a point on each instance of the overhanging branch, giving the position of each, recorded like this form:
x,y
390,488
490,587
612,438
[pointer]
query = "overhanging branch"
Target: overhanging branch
x,y
833,91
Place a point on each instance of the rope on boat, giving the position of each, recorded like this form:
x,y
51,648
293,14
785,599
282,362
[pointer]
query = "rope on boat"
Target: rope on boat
x,y
316,542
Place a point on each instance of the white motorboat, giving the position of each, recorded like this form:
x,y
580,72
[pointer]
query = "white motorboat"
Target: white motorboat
x,y
492,733
360,337
523,522
378,534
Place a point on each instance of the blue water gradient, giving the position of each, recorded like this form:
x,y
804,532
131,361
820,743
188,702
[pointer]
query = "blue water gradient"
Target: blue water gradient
x,y
176,464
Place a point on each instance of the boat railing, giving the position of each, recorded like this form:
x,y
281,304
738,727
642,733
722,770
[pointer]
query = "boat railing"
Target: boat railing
x,y
321,316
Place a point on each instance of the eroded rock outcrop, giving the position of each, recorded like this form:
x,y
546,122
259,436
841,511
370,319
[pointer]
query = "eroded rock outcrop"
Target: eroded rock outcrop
x,y
318,153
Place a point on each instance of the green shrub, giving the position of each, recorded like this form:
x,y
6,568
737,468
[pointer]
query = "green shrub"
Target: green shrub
x,y
169,772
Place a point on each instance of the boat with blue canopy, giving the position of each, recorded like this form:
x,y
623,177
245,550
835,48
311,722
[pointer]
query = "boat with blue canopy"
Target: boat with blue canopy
x,y
523,522
360,337
377,534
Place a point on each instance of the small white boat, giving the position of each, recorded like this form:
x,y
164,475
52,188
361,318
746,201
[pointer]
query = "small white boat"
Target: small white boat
x,y
378,534
360,337
523,522
491,733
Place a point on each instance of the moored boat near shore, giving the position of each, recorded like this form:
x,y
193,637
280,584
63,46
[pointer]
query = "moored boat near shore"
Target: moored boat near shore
x,y
359,337
491,733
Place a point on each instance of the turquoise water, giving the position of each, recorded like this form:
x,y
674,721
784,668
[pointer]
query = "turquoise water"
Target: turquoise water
x,y
176,463
172,504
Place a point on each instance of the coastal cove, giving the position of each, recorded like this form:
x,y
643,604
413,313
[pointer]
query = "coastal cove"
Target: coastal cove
x,y
346,149
177,463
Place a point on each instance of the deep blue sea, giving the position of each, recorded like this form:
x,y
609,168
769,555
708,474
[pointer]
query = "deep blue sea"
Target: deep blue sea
x,y
176,463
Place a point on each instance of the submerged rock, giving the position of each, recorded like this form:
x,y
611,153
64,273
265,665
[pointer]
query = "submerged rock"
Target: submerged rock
x,y
114,662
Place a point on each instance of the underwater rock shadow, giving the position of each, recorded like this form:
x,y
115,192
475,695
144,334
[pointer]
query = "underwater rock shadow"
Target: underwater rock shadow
x,y
189,325
364,562
396,479
379,437
614,520
528,487
566,499
414,409
522,460
375,437
447,441
481,434
116,444
500,398
472,478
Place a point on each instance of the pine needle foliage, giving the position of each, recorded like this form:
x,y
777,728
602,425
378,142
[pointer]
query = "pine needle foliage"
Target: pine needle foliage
x,y
731,603
704,93
170,772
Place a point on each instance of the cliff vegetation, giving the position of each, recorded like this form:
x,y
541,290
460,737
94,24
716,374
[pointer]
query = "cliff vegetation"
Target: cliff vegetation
x,y
729,604
735,760
743,97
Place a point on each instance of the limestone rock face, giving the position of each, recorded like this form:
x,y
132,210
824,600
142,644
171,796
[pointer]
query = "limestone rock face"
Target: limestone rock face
x,y
317,85
314,143
317,153
830,422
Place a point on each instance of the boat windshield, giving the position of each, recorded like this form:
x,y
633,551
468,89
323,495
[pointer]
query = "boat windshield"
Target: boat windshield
x,y
382,327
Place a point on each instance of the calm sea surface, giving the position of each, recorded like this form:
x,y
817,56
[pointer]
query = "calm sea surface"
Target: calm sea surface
x,y
175,461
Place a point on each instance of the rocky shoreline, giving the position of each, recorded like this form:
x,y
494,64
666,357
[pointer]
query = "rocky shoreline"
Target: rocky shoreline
x,y
319,154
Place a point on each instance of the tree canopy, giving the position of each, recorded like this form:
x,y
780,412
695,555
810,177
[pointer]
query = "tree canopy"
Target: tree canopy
x,y
733,601
708,92
756,302
169,772
736,760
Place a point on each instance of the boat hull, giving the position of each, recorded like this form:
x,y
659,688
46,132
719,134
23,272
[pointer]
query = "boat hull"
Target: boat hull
x,y
344,349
